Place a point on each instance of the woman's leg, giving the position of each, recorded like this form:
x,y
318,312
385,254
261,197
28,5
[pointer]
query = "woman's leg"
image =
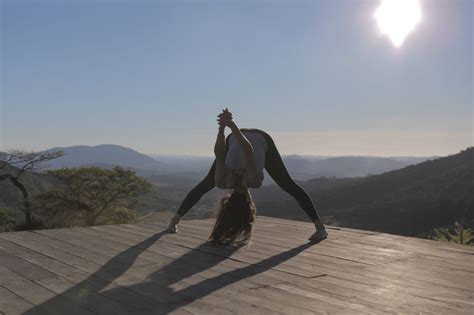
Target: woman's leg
x,y
200,189
277,170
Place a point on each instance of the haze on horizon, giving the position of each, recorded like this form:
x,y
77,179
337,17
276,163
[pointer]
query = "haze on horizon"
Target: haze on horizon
x,y
152,75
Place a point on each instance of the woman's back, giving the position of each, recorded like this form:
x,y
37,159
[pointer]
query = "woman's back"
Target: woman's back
x,y
235,160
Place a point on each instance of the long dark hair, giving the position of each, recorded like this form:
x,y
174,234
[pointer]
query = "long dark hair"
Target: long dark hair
x,y
234,221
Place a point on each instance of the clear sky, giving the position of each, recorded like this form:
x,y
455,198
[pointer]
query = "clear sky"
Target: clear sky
x,y
317,75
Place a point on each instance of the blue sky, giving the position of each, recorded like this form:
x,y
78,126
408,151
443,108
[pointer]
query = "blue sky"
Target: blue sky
x,y
153,75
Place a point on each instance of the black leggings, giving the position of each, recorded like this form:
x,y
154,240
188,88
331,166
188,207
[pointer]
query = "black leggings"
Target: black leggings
x,y
275,168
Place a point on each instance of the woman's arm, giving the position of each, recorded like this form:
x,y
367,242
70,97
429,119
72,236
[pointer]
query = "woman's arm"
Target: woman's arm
x,y
219,151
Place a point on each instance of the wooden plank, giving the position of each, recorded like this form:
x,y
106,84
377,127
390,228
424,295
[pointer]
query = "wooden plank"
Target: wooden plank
x,y
129,299
404,299
440,247
191,263
454,265
98,227
44,299
276,273
402,288
323,249
414,275
280,229
157,287
61,286
205,228
339,302
276,235
63,235
98,249
85,239
436,269
11,303
464,266
253,257
172,251
279,276
152,290
343,234
445,271
394,239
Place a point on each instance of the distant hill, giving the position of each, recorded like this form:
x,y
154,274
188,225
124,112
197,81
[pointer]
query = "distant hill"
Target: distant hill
x,y
185,163
105,155
408,201
300,167
345,166
196,167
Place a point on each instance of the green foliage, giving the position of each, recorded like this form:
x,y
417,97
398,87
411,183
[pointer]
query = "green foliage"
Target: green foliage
x,y
7,222
120,215
458,233
92,196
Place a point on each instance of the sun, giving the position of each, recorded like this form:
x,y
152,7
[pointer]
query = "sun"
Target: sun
x,y
397,18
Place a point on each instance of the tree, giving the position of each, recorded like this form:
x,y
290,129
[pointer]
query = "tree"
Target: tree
x,y
7,222
92,195
22,162
456,234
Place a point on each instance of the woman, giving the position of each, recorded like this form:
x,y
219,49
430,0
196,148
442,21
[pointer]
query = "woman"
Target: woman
x,y
239,164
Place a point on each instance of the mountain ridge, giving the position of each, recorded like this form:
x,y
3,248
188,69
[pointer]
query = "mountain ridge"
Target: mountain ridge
x,y
110,154
300,167
407,201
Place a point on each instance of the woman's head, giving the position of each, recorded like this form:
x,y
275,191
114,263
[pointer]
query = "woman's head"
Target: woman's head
x,y
235,219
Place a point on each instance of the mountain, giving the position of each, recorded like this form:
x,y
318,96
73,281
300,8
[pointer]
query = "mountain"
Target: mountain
x,y
105,155
413,159
300,167
196,167
355,166
185,164
304,168
409,201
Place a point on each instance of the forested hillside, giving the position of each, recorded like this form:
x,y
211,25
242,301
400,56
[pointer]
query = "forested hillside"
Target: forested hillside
x,y
410,201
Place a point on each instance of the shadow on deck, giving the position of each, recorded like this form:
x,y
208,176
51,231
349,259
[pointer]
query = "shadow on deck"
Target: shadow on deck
x,y
136,269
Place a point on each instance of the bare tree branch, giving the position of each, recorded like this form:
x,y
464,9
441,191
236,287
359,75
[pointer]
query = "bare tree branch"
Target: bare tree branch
x,y
23,161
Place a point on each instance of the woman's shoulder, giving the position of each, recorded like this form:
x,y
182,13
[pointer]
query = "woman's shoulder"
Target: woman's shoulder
x,y
252,130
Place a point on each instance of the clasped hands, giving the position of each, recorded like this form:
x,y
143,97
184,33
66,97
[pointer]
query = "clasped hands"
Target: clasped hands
x,y
225,119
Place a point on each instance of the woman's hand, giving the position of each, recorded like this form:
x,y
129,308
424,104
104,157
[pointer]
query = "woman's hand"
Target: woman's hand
x,y
225,118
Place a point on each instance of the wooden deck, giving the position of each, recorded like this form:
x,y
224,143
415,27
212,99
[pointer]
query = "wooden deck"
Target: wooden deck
x,y
135,269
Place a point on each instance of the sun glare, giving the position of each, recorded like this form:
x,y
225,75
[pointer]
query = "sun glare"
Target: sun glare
x,y
397,18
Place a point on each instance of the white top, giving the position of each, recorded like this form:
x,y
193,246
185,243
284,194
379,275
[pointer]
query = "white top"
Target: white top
x,y
235,159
